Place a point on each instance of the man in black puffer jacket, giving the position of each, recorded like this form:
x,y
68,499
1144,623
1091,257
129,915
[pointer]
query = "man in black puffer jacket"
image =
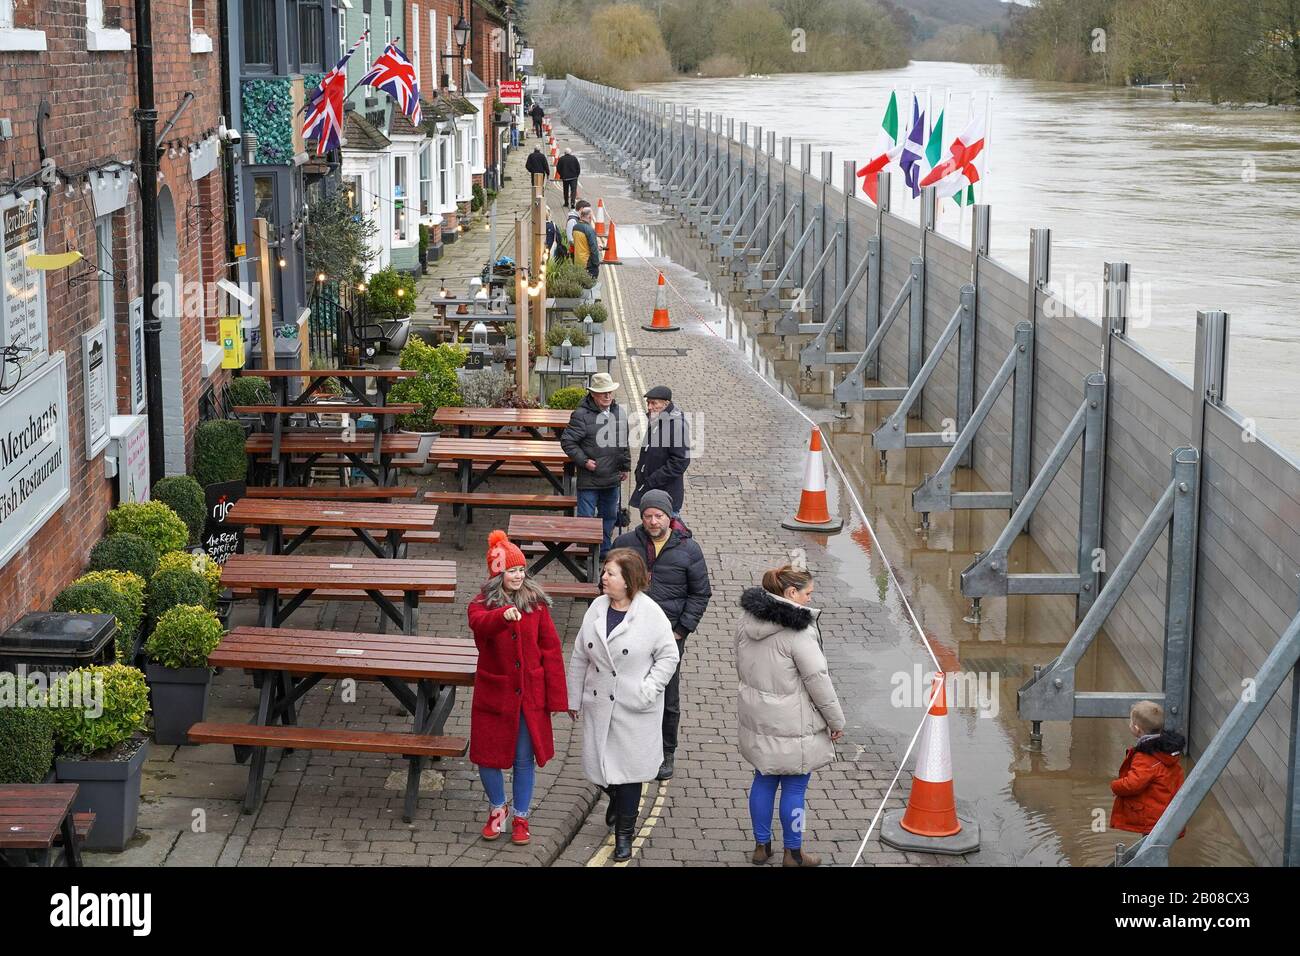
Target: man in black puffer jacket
x,y
596,442
679,584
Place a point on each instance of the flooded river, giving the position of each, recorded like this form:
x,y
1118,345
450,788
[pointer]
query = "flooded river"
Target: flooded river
x,y
1034,807
1202,201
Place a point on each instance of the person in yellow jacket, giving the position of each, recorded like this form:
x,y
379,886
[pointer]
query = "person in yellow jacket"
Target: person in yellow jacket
x,y
586,251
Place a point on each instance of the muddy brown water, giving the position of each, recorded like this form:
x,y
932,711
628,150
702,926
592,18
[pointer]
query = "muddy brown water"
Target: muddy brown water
x,y
1035,807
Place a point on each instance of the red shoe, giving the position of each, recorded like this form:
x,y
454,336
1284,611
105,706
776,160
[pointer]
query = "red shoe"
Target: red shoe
x,y
496,823
519,831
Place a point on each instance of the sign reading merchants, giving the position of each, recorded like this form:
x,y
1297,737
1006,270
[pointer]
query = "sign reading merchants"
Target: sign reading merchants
x,y
34,475
22,289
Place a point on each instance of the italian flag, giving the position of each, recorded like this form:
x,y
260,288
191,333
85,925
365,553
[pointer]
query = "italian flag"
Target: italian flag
x,y
957,175
887,150
934,148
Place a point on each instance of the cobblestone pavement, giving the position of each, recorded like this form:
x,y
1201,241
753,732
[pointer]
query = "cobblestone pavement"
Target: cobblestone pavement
x,y
325,808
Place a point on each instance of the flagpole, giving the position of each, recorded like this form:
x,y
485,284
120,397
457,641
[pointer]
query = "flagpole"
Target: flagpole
x,y
988,138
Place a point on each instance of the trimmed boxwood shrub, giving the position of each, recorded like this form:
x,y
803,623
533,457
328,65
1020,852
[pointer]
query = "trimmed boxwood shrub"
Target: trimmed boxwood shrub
x,y
26,736
198,563
152,520
436,388
124,552
250,390
174,586
124,698
119,593
184,637
219,453
569,397
184,496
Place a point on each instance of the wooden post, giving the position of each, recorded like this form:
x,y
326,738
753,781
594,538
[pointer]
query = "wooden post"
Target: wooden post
x,y
537,270
521,313
266,305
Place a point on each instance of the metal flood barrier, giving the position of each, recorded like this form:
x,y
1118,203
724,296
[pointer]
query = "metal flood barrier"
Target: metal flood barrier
x,y
1094,448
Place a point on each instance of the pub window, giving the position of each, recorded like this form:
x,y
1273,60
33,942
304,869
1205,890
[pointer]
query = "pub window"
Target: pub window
x,y
426,179
264,207
311,36
259,34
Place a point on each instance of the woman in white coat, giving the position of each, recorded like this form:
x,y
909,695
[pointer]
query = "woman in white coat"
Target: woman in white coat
x,y
789,715
623,658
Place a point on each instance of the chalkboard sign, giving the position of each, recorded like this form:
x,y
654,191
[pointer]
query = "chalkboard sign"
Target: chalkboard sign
x,y
221,540
474,360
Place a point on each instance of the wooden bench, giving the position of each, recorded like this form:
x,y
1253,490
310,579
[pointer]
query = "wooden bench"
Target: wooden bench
x,y
81,824
343,534
34,818
319,738
575,590
343,594
346,408
334,492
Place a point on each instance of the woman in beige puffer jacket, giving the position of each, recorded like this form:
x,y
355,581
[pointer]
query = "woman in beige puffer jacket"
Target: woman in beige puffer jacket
x,y
789,715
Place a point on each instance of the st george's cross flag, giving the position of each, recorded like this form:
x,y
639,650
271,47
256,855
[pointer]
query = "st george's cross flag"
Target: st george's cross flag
x,y
886,151
325,108
958,174
393,74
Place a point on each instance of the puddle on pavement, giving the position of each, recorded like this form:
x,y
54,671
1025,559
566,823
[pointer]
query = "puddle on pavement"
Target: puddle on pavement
x,y
1034,807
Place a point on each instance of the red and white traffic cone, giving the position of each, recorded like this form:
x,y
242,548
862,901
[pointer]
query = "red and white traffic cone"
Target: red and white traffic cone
x,y
611,249
931,822
600,218
813,515
659,322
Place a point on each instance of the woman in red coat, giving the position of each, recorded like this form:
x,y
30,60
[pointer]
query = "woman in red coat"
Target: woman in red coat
x,y
519,683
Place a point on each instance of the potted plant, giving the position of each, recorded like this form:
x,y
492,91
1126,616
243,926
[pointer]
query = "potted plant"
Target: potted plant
x,y
99,714
152,520
178,669
184,496
249,390
196,563
596,311
568,398
26,733
218,454
124,552
566,342
500,355
435,387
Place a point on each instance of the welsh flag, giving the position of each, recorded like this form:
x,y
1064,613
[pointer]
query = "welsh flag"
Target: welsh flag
x,y
887,150
957,175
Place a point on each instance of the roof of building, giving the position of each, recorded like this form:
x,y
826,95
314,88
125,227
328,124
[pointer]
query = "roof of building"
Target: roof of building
x,y
473,84
401,125
362,134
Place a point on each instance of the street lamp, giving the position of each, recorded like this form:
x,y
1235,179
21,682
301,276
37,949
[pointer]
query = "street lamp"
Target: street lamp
x,y
461,33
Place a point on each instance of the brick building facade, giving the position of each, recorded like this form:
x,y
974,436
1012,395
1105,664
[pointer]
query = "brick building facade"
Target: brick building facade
x,y
78,57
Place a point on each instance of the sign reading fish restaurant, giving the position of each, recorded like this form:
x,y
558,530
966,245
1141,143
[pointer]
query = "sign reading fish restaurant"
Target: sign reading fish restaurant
x,y
34,475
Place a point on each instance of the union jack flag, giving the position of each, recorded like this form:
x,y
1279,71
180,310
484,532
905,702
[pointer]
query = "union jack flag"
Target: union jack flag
x,y
325,108
393,74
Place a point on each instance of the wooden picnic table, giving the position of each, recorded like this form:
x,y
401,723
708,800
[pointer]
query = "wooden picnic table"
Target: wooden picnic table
x,y
315,442
274,516
266,575
531,420
316,378
556,534
293,661
336,492
33,816
495,452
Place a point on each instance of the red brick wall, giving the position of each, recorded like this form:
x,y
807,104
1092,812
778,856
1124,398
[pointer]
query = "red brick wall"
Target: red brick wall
x,y
92,97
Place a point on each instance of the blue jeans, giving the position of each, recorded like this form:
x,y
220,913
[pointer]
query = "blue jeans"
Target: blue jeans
x,y
761,797
494,780
603,502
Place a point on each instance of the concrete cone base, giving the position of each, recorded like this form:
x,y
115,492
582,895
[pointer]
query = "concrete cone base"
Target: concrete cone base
x,y
793,524
893,834
669,328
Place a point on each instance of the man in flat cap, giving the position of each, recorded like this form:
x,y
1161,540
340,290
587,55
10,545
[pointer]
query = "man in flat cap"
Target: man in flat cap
x,y
665,451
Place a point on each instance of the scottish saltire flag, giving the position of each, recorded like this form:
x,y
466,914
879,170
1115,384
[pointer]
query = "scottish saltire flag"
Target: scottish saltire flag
x,y
393,74
910,160
325,108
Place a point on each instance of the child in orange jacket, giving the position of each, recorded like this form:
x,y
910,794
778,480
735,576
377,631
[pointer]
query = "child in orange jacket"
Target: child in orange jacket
x,y
1150,774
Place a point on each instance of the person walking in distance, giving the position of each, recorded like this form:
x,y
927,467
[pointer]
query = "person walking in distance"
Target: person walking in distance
x,y
679,584
519,682
596,442
623,658
665,451
536,163
789,715
569,169
537,113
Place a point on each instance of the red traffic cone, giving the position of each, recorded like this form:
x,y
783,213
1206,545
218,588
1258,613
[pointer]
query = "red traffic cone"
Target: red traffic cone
x,y
660,322
930,822
600,217
611,249
813,515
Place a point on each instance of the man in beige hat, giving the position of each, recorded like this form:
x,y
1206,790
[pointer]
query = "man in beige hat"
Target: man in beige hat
x,y
596,441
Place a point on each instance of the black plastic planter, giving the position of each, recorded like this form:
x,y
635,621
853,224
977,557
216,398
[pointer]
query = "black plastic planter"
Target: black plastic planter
x,y
111,790
180,700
